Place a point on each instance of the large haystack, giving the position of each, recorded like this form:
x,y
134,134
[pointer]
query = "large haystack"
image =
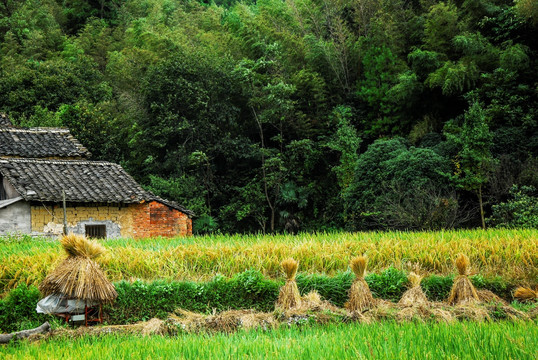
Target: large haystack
x,y
360,296
79,276
289,296
463,291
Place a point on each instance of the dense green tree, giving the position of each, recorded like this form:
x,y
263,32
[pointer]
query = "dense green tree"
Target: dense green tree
x,y
473,161
275,115
402,187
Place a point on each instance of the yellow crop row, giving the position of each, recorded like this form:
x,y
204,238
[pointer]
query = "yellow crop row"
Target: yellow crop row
x,y
512,254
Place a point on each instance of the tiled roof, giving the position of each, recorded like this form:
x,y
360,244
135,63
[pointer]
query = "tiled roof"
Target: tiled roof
x,y
40,143
83,181
4,121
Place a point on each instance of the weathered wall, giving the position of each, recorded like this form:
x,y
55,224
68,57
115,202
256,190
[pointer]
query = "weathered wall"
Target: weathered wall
x,y
15,218
8,188
156,219
49,219
134,220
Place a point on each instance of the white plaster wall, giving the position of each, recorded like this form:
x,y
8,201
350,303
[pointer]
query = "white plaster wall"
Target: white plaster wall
x,y
16,218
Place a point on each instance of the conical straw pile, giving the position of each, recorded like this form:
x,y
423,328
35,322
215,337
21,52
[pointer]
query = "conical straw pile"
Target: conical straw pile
x,y
289,296
463,291
79,276
415,295
360,296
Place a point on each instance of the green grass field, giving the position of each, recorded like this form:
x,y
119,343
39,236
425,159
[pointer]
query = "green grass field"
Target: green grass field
x,y
512,254
501,340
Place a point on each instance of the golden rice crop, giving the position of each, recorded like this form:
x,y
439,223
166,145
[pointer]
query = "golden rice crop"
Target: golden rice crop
x,y
513,254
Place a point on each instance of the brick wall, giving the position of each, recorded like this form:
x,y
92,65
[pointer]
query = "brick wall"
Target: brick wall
x,y
156,219
135,220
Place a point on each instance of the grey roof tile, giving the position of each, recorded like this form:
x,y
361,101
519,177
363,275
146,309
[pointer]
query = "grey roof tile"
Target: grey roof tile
x,y
83,181
4,121
40,143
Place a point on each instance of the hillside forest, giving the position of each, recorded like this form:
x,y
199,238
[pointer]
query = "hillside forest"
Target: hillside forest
x,y
293,115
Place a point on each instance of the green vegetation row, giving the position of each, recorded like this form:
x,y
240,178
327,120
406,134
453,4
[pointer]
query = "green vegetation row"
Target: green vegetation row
x,y
510,254
139,301
388,340
274,115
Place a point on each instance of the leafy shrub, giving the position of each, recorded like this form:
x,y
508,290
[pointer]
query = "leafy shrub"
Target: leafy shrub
x,y
400,187
437,288
18,309
389,285
496,284
519,212
205,224
334,288
141,301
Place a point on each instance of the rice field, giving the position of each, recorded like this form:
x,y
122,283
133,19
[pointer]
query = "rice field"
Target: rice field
x,y
512,254
390,340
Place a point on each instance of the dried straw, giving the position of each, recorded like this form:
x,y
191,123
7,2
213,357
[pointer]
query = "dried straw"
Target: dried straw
x,y
289,296
471,311
486,296
227,321
533,313
525,294
78,276
414,296
79,246
360,296
463,291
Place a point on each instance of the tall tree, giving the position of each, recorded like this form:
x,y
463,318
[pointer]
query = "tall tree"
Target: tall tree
x,y
473,161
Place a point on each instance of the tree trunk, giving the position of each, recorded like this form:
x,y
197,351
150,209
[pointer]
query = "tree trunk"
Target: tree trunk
x,y
481,207
4,339
266,190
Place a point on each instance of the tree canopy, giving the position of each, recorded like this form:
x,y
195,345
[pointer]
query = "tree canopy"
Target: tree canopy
x,y
274,115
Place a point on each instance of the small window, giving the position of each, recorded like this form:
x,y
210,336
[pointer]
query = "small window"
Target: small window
x,y
96,231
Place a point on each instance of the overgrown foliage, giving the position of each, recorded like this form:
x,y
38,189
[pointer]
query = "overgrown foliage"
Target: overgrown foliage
x,y
264,115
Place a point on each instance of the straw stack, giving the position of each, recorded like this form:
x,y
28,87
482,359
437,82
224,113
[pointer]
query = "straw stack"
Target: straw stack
x,y
526,294
79,276
463,291
360,296
289,297
415,295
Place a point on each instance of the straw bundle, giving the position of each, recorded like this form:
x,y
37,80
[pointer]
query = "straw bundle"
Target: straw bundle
x,y
463,290
525,294
415,295
79,246
360,296
289,297
79,276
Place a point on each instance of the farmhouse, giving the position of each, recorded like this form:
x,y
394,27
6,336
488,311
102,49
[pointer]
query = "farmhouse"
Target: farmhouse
x,y
41,168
